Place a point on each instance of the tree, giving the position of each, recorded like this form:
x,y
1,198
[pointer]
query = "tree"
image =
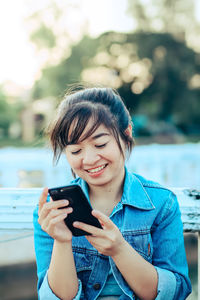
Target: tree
x,y
54,79
153,73
156,73
8,115
167,16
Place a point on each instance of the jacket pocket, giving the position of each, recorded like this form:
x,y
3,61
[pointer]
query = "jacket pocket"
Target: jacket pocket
x,y
141,241
84,258
84,261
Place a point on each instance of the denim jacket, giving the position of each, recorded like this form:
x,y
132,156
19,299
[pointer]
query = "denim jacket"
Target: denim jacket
x,y
149,219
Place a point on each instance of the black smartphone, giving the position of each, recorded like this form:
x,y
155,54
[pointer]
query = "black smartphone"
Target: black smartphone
x,y
81,207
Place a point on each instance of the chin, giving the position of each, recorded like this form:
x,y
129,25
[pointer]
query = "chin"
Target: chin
x,y
99,181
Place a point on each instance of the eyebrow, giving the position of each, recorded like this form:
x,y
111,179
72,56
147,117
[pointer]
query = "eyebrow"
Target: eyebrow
x,y
93,137
99,135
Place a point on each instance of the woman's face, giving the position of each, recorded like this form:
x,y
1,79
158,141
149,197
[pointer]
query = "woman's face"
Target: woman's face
x,y
97,159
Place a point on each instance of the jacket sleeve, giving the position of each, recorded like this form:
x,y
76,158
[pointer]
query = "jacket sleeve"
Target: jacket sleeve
x,y
43,249
169,256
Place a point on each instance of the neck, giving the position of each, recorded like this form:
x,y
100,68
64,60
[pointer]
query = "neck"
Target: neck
x,y
99,195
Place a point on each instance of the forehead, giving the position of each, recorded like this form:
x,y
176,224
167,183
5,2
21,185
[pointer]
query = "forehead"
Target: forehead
x,y
91,130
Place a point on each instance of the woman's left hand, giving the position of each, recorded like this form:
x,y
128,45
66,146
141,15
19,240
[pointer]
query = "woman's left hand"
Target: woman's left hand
x,y
108,240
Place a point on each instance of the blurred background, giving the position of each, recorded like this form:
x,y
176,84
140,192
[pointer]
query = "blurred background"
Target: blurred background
x,y
148,50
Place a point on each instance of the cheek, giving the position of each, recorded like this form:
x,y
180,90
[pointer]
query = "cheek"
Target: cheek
x,y
114,152
73,161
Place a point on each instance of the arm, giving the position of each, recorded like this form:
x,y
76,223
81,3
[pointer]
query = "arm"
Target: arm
x,y
109,241
169,253
62,272
167,276
144,280
55,263
169,257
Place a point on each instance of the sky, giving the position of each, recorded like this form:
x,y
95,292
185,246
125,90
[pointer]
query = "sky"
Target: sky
x,y
19,61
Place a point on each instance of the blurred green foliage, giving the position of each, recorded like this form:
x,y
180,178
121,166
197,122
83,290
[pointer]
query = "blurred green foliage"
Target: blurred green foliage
x,y
43,37
153,72
8,115
170,16
153,68
54,79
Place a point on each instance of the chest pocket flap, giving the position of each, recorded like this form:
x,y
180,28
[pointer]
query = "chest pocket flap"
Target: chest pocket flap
x,y
141,241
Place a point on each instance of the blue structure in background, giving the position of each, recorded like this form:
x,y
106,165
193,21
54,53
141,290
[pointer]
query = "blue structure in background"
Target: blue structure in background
x,y
171,165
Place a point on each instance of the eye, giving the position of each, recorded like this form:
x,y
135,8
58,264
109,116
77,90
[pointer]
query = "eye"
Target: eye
x,y
101,146
76,152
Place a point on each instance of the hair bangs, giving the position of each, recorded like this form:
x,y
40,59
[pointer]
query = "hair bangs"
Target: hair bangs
x,y
80,123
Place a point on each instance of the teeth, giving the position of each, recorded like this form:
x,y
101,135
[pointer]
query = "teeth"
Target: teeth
x,y
96,170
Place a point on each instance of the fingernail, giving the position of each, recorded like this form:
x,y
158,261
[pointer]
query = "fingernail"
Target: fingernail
x,y
65,201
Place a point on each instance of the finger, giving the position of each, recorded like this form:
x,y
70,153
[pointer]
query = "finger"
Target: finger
x,y
49,226
56,212
57,204
103,219
56,215
57,219
48,206
43,198
88,228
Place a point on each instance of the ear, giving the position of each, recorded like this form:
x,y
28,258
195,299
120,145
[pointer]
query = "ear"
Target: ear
x,y
128,130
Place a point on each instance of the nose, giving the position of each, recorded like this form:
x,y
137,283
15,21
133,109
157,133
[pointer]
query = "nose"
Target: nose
x,y
90,157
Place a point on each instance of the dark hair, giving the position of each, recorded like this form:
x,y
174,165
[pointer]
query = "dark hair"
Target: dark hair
x,y
102,105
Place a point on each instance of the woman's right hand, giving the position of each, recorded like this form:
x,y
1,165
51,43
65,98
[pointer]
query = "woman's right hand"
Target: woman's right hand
x,y
51,218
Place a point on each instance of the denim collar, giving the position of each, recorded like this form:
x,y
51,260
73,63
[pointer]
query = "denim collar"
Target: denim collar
x,y
134,194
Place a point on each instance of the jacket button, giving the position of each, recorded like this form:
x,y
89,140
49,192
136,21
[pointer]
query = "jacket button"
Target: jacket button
x,y
97,286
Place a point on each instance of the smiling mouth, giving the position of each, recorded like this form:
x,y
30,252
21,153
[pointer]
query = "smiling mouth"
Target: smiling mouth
x,y
95,170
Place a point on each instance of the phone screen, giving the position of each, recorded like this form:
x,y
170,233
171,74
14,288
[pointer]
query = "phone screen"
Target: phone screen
x,y
81,207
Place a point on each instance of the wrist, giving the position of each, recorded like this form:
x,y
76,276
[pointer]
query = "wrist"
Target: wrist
x,y
122,246
60,244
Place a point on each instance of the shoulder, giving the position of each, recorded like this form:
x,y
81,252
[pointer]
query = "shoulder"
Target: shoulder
x,y
159,195
151,184
163,199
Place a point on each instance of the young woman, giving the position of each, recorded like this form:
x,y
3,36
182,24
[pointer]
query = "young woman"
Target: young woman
x,y
139,252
